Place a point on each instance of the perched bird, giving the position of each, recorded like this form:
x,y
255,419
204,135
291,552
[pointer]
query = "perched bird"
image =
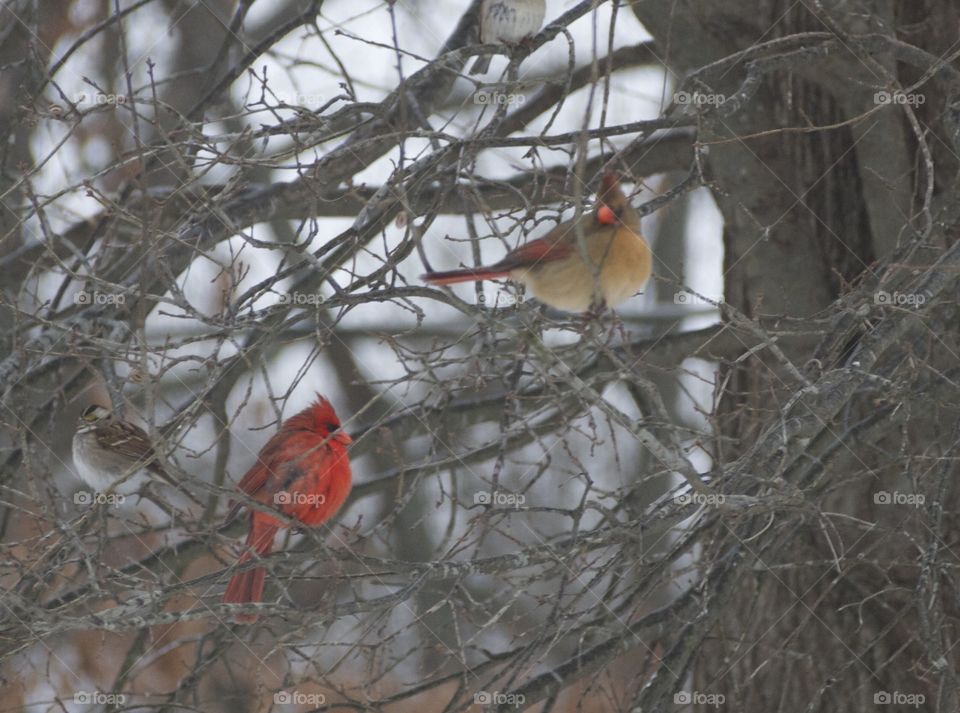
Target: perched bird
x,y
507,21
109,452
554,269
303,472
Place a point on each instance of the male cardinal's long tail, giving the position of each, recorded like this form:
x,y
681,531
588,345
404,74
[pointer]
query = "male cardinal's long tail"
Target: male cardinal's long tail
x,y
246,587
454,276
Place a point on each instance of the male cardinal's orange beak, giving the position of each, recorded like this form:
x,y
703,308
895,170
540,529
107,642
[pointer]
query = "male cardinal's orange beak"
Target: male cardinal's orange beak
x,y
342,437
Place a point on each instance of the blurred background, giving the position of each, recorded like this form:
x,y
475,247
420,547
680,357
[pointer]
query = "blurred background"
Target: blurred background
x,y
215,210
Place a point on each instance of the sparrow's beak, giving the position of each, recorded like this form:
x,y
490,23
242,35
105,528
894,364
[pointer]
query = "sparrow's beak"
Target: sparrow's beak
x,y
342,438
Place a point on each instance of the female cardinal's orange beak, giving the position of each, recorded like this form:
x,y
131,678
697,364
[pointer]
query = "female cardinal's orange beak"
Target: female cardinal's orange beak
x,y
606,216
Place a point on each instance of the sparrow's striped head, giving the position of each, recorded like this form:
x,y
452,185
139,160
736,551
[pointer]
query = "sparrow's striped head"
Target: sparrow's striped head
x,y
92,416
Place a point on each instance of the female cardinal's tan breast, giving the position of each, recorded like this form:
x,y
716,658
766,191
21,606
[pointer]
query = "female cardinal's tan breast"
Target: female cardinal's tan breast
x,y
625,265
570,283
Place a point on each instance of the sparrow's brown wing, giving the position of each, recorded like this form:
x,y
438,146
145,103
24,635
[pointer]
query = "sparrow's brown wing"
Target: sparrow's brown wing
x,y
132,442
126,440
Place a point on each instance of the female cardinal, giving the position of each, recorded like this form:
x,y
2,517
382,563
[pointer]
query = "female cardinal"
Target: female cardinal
x,y
554,268
507,21
304,473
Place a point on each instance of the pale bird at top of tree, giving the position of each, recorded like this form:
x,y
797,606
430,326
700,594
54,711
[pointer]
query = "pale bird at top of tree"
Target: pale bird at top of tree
x,y
509,22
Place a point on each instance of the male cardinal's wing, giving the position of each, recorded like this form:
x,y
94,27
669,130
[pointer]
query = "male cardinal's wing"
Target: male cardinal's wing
x,y
250,484
256,478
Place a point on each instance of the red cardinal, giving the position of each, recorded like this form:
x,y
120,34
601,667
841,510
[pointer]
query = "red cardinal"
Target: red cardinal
x,y
554,269
304,473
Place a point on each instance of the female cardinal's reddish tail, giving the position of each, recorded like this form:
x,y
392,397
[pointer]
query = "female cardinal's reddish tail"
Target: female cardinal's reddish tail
x,y
452,277
304,473
553,267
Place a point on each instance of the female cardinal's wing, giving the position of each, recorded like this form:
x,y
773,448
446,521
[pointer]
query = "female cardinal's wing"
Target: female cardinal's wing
x,y
536,252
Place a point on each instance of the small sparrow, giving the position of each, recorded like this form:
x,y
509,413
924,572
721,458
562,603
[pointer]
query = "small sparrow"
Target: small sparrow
x,y
108,451
554,268
302,472
509,22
